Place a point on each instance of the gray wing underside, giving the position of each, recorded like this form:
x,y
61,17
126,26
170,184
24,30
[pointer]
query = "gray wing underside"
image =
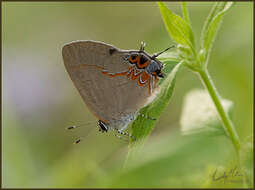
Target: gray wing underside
x,y
108,98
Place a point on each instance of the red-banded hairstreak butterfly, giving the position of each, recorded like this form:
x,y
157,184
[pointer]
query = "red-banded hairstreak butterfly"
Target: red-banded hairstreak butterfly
x,y
115,84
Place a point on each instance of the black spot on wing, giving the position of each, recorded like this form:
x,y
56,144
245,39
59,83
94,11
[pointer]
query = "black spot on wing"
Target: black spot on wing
x,y
111,51
143,60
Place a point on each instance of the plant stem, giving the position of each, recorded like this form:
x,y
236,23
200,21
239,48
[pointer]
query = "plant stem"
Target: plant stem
x,y
229,127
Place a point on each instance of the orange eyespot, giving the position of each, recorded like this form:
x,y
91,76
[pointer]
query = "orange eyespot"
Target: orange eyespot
x,y
143,62
143,65
133,58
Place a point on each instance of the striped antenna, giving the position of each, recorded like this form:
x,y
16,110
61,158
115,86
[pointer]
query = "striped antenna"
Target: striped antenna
x,y
157,54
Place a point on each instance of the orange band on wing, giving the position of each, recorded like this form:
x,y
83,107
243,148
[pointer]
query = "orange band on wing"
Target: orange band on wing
x,y
133,74
117,74
114,74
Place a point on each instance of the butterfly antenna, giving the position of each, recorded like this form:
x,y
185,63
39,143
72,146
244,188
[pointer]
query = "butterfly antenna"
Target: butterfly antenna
x,y
157,54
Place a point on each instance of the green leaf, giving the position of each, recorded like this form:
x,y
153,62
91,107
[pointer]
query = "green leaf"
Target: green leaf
x,y
173,160
213,25
200,115
185,12
142,127
177,28
218,6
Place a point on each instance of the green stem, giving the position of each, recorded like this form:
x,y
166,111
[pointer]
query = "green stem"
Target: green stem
x,y
229,127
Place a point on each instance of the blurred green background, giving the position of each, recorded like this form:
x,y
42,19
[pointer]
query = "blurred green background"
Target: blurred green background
x,y
39,99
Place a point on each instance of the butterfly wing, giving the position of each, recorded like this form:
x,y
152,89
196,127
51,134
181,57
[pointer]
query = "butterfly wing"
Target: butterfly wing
x,y
109,98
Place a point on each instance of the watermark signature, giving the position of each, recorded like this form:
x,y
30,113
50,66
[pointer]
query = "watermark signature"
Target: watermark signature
x,y
232,175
